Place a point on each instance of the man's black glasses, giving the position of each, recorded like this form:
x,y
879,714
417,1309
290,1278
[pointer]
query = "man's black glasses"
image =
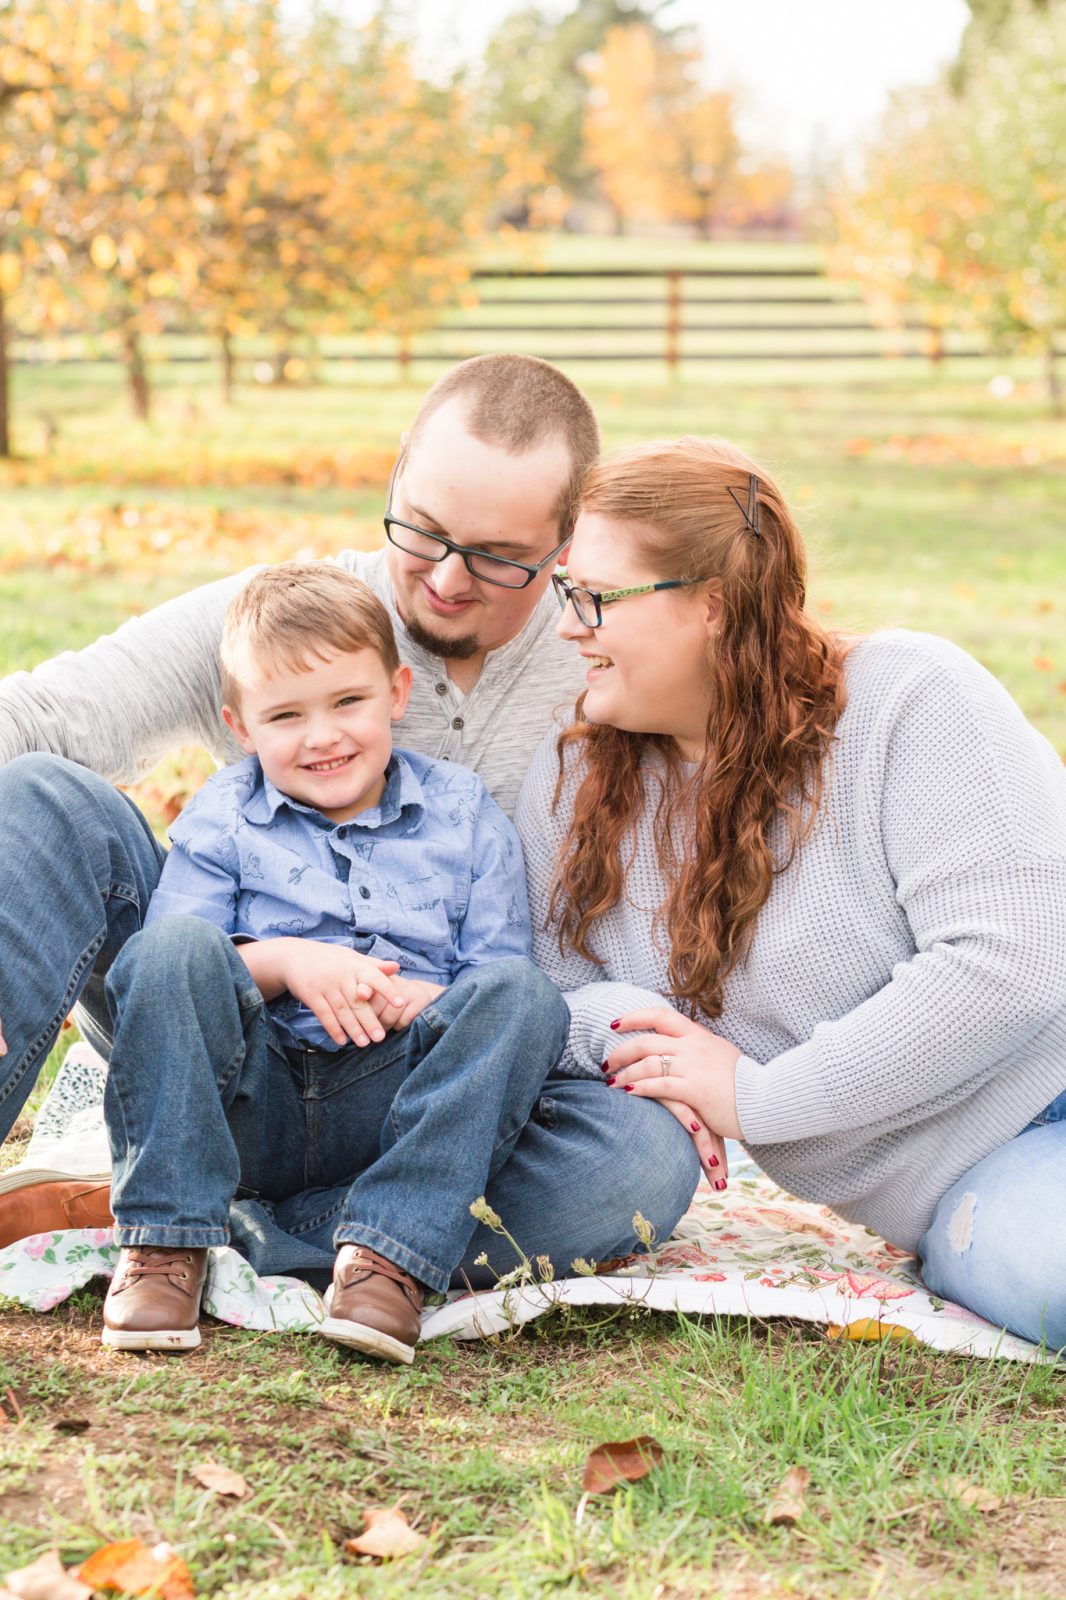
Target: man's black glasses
x,y
415,541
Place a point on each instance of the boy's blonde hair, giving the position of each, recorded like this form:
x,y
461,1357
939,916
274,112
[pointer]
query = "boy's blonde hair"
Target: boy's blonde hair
x,y
293,612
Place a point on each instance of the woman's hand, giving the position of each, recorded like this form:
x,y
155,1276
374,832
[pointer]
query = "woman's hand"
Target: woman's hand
x,y
700,1067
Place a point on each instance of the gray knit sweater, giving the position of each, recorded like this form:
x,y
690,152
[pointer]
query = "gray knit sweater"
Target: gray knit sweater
x,y
902,1011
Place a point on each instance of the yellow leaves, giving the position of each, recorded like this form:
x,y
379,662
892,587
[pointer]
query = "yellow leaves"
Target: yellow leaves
x,y
104,252
871,1331
10,272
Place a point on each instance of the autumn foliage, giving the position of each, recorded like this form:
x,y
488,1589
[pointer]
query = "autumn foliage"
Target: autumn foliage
x,y
231,168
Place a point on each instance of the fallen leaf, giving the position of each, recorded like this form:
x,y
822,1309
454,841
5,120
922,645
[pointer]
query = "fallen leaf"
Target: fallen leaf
x,y
223,1480
870,1329
71,1424
1043,664
387,1534
131,1568
786,1503
625,1461
972,1494
46,1579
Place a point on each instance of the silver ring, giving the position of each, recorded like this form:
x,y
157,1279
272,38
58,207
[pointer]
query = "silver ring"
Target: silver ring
x,y
665,1064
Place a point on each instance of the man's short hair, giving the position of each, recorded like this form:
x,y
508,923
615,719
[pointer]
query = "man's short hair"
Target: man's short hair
x,y
516,403
296,611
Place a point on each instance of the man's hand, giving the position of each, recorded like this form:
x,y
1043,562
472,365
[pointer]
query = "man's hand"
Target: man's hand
x,y
343,988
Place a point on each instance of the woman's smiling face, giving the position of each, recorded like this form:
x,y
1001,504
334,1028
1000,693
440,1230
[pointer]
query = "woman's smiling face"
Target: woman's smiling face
x,y
648,659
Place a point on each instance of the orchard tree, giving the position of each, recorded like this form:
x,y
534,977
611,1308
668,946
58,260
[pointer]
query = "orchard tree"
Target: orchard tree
x,y
534,78
962,210
662,145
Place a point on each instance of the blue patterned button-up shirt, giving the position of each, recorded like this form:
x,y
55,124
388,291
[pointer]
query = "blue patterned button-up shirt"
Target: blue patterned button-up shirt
x,y
432,877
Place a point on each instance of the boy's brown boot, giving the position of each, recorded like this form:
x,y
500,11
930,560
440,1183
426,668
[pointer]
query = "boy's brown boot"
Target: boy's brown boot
x,y
154,1299
373,1305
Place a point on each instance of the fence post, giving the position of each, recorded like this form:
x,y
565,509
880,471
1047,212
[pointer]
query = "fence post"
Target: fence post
x,y
673,321
403,356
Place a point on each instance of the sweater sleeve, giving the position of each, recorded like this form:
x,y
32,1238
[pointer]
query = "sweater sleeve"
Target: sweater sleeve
x,y
968,805
594,1000
121,704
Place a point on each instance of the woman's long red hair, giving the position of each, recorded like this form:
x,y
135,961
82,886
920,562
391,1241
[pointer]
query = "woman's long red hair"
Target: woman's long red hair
x,y
776,689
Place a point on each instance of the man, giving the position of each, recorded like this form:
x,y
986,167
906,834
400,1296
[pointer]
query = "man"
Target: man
x,y
481,504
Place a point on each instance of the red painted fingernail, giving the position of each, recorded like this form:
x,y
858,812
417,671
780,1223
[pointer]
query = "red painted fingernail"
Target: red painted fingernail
x,y
712,1161
719,1184
628,1087
609,1082
695,1127
616,1021
606,1067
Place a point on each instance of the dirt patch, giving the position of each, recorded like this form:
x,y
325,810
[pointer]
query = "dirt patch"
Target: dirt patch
x,y
56,1490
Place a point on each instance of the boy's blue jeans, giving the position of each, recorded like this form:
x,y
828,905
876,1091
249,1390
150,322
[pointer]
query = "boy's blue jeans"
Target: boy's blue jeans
x,y
203,1098
78,864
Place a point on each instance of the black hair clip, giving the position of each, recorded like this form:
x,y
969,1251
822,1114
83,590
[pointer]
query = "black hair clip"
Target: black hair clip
x,y
751,512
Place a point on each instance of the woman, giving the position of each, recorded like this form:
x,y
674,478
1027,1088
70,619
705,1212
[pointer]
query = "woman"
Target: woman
x,y
808,891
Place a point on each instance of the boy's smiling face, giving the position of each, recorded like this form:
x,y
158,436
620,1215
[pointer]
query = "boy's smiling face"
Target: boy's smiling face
x,y
323,730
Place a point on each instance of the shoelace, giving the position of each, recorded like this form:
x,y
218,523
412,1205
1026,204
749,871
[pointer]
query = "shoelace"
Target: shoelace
x,y
366,1264
156,1264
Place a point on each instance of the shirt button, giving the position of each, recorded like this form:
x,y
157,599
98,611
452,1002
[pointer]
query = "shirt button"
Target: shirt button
x,y
364,891
441,688
457,722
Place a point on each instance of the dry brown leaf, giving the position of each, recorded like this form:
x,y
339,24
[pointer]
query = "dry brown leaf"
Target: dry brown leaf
x,y
131,1568
46,1579
624,1461
786,1503
387,1534
972,1494
223,1480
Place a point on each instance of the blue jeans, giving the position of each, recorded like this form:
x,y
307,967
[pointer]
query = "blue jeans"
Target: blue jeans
x,y
997,1241
204,1098
78,864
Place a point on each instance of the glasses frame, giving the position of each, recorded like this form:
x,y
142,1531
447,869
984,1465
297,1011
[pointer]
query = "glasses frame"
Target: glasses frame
x,y
565,592
449,547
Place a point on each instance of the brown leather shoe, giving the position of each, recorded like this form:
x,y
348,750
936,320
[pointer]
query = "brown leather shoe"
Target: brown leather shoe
x,y
373,1305
44,1202
154,1299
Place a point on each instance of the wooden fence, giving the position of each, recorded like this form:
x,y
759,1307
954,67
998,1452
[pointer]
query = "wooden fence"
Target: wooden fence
x,y
680,318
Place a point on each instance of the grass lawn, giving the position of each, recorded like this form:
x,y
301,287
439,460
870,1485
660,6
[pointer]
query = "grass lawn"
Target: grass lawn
x,y
928,503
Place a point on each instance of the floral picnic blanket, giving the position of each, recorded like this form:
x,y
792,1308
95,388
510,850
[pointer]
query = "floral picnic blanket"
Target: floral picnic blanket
x,y
752,1251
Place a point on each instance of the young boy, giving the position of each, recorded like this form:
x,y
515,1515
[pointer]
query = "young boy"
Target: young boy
x,y
332,988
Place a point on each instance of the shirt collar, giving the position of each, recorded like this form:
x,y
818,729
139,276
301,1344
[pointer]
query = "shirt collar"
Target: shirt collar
x,y
403,795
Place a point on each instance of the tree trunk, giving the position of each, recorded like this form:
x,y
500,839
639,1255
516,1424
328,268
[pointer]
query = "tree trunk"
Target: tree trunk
x,y
137,374
1054,385
229,364
5,379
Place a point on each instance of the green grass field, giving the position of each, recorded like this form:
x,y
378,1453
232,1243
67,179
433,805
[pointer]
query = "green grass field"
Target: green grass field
x,y
928,503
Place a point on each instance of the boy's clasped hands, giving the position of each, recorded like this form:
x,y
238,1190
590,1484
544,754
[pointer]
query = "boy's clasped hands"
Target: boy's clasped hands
x,y
355,997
